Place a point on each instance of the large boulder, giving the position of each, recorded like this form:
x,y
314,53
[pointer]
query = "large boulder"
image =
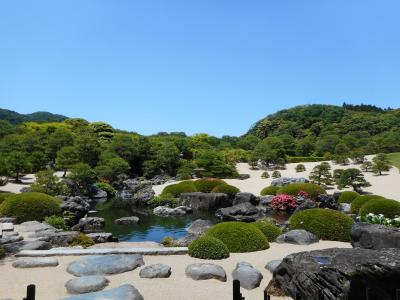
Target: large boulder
x,y
373,236
155,271
244,212
307,204
102,237
105,264
79,206
89,224
126,292
57,238
204,271
134,192
199,227
86,284
249,277
327,201
127,220
287,180
165,211
244,198
273,264
340,274
297,237
205,201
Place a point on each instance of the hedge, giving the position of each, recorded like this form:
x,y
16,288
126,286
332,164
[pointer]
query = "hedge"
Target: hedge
x,y
348,196
359,201
294,188
387,207
208,247
298,159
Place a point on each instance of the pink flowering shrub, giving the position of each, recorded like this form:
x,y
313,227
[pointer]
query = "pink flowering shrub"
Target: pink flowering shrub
x,y
284,202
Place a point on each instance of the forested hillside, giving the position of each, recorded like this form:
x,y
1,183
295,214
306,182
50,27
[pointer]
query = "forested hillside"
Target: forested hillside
x,y
40,116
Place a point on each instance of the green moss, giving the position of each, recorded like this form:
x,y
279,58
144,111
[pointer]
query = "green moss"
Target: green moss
x,y
4,195
239,237
206,185
387,207
294,188
359,201
82,240
327,224
271,231
269,190
30,206
208,247
177,189
348,196
230,190
57,222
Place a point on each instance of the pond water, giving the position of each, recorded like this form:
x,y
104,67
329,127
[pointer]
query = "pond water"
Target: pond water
x,y
152,227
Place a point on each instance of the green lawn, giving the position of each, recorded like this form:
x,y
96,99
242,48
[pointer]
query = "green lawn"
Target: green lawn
x,y
395,159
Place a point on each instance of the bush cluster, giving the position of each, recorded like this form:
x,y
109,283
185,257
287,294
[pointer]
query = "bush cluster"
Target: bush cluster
x,y
270,230
108,188
327,224
208,247
298,159
359,201
30,206
269,190
57,222
387,207
239,236
164,200
348,196
313,190
300,168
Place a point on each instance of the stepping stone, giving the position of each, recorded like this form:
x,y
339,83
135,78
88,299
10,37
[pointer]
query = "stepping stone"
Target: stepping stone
x,y
35,262
297,237
105,264
86,284
249,277
205,271
155,271
7,227
273,264
36,245
124,292
10,239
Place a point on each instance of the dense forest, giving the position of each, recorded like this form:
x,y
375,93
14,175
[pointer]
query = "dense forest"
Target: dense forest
x,y
312,132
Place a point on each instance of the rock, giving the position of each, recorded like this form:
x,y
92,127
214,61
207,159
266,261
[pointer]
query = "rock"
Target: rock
x,y
374,236
244,212
244,198
327,201
273,264
127,220
248,276
61,239
105,264
100,195
34,226
77,205
339,273
243,176
155,271
25,189
307,204
199,227
287,180
13,248
6,227
8,220
134,192
185,240
39,262
89,224
345,207
205,201
165,211
86,284
204,271
297,237
36,245
10,239
125,292
159,179
266,200
102,237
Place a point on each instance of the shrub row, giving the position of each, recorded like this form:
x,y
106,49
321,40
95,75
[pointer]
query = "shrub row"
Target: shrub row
x,y
298,159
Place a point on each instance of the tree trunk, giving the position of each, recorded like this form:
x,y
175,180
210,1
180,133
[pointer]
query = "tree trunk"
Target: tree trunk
x,y
65,173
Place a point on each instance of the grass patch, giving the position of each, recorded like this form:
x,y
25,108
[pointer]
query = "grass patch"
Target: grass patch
x,y
395,159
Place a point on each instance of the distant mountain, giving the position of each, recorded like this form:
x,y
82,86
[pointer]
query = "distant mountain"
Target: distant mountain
x,y
40,116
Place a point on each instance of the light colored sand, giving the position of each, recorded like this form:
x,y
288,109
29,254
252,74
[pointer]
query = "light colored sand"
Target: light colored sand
x,y
50,281
386,185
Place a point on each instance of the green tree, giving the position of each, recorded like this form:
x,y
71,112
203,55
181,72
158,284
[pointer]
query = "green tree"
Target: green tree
x,y
321,174
270,150
38,161
215,165
168,158
341,154
89,149
66,158
366,166
47,183
84,177
354,178
380,163
18,162
109,170
60,138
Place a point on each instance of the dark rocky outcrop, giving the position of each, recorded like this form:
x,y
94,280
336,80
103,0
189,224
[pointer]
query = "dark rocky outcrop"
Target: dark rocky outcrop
x,y
165,211
307,204
205,201
89,224
134,193
373,236
244,212
244,198
78,206
297,237
127,220
102,237
327,201
340,274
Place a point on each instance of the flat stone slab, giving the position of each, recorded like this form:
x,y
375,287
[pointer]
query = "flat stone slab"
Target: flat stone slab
x,y
86,284
35,263
155,271
249,277
105,265
102,251
6,227
205,271
124,292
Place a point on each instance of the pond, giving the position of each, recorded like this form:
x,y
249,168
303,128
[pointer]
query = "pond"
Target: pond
x,y
151,227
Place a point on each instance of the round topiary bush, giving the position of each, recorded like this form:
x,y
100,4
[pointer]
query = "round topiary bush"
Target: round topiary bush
x,y
271,231
387,207
30,206
294,188
230,190
270,190
206,185
239,236
177,189
276,174
348,196
327,224
300,168
208,247
359,201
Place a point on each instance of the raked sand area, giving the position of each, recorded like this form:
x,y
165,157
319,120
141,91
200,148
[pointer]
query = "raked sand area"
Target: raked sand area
x,y
50,281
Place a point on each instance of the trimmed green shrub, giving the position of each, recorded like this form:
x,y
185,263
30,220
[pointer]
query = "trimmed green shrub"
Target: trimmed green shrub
x,y
270,190
300,168
208,247
294,188
82,240
2,253
4,195
348,196
387,207
230,190
177,189
276,174
265,175
270,230
359,201
57,222
327,224
30,206
239,236
206,185
164,200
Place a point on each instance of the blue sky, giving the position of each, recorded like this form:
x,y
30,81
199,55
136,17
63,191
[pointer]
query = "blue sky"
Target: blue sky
x,y
195,66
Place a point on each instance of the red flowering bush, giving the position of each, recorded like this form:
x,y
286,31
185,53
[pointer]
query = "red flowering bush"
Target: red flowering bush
x,y
284,202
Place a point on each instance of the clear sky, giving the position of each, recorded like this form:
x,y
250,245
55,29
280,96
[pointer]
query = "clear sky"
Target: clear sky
x,y
197,66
